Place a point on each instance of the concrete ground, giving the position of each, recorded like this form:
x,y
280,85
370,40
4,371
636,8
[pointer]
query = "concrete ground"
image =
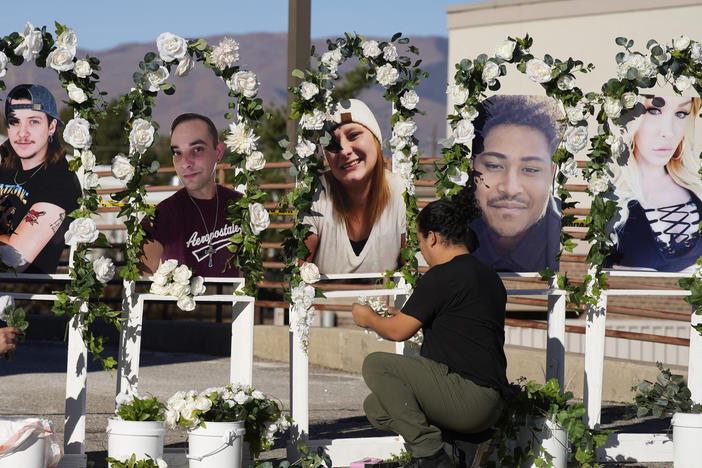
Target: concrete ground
x,y
33,383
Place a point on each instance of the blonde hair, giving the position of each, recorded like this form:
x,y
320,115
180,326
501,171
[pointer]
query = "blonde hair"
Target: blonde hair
x,y
682,167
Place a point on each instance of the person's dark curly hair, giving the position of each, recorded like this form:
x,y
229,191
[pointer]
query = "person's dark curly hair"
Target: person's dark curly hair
x,y
537,112
452,218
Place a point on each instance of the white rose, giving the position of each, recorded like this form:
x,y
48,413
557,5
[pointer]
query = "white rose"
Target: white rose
x,y
490,72
259,219
616,145
31,45
397,142
60,59
464,132
161,463
11,256
458,177
695,52
641,64
5,302
90,179
241,139
197,285
171,47
370,49
308,90
681,42
225,54
182,274
184,66
331,60
629,100
457,94
390,53
68,40
303,295
565,82
576,113
313,121
414,149
3,64
204,404
87,159
538,71
244,82
575,139
159,289
598,185
104,269
304,147
612,107
505,49
154,79
81,230
167,267
258,395
683,82
570,168
186,304
77,133
141,136
469,113
409,99
404,128
76,94
82,69
309,272
387,75
255,161
122,168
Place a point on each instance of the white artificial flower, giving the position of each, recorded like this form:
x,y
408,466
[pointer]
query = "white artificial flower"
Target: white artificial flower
x,y
409,99
629,100
414,149
182,274
31,45
255,161
241,139
225,54
371,49
303,295
313,121
464,132
11,257
308,90
490,72
76,94
77,133
304,147
397,142
155,165
87,159
171,47
184,66
390,53
612,107
67,40
695,52
141,137
616,145
82,69
469,113
197,285
570,168
458,177
244,82
81,230
576,113
404,128
3,64
90,179
104,269
598,185
167,267
159,289
258,395
681,42
259,219
566,82
404,168
124,398
331,60
505,49
5,302
538,71
242,398
154,79
161,463
122,168
186,304
204,404
683,82
309,272
457,94
641,64
60,59
387,75
575,138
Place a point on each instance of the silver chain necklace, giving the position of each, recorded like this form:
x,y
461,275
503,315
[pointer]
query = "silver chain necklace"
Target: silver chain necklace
x,y
210,250
33,174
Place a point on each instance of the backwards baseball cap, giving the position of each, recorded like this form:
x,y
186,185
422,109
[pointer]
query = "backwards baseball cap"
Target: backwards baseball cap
x,y
354,110
42,100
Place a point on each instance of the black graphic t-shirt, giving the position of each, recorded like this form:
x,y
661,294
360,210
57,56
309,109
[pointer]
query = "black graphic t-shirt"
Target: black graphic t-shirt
x,y
55,184
178,227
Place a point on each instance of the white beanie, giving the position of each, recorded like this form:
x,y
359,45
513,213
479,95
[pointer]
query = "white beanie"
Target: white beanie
x,y
354,110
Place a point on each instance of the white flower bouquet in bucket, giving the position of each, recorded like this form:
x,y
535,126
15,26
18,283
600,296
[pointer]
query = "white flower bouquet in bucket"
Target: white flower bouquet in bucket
x,y
137,430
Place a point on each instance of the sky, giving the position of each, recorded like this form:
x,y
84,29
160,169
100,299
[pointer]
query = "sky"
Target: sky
x,y
103,24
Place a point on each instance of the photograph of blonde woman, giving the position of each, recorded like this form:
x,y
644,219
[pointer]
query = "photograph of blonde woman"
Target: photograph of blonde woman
x,y
357,218
658,188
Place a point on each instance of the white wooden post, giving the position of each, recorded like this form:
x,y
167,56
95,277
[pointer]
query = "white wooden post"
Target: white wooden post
x,y
694,368
130,340
594,360
400,301
241,362
299,391
555,335
76,380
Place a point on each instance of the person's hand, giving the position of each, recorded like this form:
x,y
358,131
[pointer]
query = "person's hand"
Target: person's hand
x,y
362,315
8,339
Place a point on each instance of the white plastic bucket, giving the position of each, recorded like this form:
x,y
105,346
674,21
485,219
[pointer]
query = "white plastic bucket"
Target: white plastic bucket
x,y
216,445
29,455
29,443
687,436
552,437
141,438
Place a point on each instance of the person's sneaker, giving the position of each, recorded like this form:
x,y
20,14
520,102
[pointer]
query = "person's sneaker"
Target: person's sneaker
x,y
439,460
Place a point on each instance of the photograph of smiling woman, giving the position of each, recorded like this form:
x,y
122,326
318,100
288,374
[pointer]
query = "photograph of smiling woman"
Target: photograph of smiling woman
x,y
658,187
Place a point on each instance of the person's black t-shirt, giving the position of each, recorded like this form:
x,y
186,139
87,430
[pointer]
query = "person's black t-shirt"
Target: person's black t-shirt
x,y
55,184
461,304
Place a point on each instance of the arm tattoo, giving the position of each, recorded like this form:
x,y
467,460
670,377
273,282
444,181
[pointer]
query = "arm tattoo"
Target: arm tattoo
x,y
57,224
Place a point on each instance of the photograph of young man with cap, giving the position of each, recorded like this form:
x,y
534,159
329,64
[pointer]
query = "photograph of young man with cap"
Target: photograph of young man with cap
x,y
191,225
357,219
521,223
36,186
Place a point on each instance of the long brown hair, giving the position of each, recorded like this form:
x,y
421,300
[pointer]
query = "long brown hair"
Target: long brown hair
x,y
55,152
379,192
